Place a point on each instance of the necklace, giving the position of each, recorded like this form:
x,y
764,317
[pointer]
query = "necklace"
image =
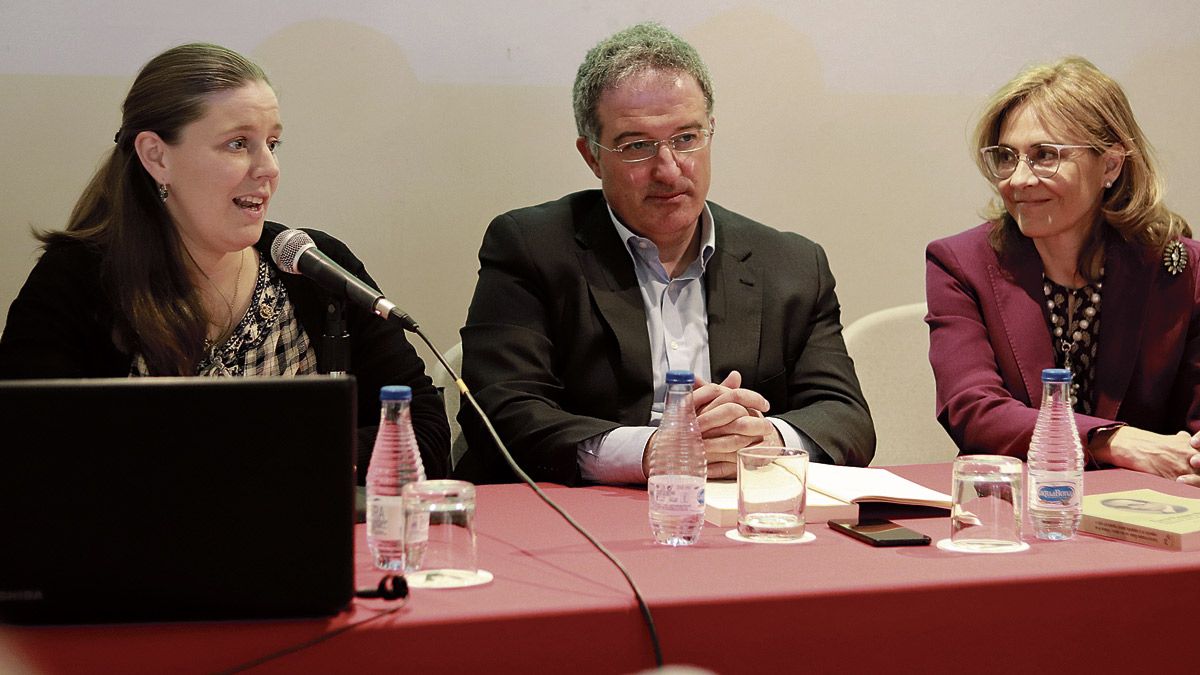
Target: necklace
x,y
1074,326
237,284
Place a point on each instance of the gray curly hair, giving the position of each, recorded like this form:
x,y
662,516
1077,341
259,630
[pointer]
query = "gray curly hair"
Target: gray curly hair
x,y
631,52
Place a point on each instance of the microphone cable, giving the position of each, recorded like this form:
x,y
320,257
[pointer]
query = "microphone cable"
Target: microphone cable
x,y
412,326
291,249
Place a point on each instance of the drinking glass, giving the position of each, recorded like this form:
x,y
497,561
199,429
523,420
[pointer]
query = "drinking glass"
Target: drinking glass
x,y
439,535
985,515
771,493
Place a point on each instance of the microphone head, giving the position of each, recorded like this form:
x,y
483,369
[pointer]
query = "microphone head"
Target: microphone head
x,y
287,247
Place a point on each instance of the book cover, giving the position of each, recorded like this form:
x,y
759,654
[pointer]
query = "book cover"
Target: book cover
x,y
1147,517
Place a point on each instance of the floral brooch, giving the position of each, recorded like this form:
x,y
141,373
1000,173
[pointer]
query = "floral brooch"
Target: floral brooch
x,y
1175,257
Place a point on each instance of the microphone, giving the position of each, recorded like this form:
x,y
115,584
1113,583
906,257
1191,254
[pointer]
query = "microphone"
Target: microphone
x,y
295,252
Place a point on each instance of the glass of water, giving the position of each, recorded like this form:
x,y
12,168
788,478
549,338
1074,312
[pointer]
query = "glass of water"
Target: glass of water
x,y
985,514
439,535
771,493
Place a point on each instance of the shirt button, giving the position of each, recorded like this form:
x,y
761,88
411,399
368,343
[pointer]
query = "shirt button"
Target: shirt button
x,y
674,344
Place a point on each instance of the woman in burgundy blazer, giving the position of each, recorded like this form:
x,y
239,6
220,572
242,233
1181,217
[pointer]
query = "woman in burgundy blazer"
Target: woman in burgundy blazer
x,y
1080,266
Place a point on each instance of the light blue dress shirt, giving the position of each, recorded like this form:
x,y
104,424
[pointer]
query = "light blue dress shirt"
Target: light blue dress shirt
x,y
677,323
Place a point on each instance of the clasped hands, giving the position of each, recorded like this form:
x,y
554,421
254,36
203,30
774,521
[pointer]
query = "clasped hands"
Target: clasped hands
x,y
1171,456
730,418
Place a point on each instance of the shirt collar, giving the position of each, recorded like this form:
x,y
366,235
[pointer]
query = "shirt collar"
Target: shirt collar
x,y
634,242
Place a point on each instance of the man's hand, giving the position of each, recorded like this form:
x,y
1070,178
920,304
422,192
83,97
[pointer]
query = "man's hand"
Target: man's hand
x,y
730,418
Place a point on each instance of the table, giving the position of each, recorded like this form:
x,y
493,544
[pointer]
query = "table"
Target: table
x,y
832,605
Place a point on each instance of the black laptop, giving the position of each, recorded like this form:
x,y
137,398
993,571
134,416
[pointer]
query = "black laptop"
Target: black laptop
x,y
176,498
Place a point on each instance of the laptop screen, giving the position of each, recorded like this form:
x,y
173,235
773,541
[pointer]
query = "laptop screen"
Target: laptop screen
x,y
176,498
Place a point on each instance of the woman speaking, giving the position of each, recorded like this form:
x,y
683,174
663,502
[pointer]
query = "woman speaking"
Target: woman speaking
x,y
164,266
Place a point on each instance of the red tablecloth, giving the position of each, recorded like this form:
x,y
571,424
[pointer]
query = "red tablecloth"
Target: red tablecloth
x,y
832,605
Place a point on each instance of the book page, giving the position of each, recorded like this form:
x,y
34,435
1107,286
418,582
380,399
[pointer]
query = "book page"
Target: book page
x,y
856,484
722,494
721,505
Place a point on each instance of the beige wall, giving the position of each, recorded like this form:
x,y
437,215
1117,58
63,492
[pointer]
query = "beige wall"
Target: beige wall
x,y
846,122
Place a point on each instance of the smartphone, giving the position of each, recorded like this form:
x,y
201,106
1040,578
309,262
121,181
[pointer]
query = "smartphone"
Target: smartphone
x,y
879,532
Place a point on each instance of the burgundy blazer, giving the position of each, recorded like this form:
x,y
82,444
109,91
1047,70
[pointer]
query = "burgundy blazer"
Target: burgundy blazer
x,y
989,341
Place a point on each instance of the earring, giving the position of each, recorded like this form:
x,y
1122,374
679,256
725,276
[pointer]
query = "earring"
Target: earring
x,y
162,192
1108,183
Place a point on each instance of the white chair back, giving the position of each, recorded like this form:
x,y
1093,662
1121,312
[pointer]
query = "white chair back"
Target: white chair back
x,y
890,349
452,399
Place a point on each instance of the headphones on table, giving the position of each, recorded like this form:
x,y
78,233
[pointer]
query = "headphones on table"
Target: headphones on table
x,y
391,587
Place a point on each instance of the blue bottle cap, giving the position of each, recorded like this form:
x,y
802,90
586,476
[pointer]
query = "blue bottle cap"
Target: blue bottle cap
x,y
395,392
680,377
1056,375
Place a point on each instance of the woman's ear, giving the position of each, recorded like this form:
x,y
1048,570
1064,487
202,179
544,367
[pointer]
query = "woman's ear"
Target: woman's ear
x,y
151,149
1114,161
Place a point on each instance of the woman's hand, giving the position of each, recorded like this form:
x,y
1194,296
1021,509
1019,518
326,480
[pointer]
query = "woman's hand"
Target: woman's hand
x,y
1174,456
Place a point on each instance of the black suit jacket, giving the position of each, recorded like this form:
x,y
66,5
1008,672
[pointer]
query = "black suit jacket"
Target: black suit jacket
x,y
556,349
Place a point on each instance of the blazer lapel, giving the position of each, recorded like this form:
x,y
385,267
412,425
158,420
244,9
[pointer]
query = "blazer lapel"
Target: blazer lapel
x,y
734,305
1124,299
613,285
1017,287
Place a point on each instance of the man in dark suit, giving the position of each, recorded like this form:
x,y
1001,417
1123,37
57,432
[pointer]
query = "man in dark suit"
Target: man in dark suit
x,y
583,304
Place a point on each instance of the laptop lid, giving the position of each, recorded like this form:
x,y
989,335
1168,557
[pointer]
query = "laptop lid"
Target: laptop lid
x,y
176,498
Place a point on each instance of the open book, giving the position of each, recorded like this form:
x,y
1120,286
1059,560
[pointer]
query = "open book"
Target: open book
x,y
833,492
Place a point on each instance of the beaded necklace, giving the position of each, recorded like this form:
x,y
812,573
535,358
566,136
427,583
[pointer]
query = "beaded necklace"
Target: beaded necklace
x,y
1074,328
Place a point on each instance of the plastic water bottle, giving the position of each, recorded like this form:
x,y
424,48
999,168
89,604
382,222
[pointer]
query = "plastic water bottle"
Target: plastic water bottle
x,y
395,461
1055,461
678,468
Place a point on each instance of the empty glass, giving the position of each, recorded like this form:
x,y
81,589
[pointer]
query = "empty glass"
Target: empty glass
x,y
439,538
986,513
771,493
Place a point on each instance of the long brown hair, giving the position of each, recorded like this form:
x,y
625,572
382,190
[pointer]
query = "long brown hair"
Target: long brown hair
x,y
144,269
1091,107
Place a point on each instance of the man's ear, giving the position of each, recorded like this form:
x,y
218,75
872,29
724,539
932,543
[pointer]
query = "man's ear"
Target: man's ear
x,y
151,149
584,146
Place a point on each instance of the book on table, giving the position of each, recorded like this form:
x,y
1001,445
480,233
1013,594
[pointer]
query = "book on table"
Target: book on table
x,y
1144,516
721,505
833,492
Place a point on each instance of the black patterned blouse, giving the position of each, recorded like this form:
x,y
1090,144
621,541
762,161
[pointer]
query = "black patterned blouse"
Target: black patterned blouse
x,y
1074,319
267,341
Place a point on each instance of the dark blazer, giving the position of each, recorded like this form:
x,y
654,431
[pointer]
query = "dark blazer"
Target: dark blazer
x,y
556,350
60,325
989,341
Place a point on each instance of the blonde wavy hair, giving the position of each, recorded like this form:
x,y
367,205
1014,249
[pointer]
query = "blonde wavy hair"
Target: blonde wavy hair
x,y
1089,107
